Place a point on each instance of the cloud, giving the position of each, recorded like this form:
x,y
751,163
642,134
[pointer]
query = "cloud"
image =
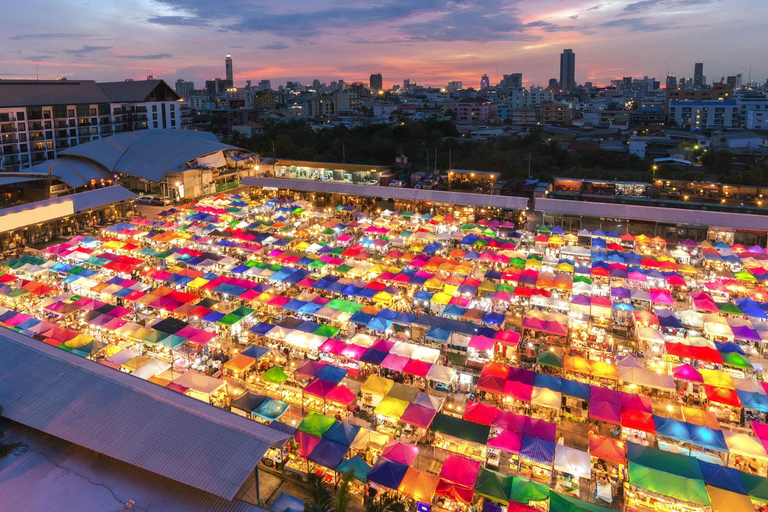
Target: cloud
x,y
37,58
155,56
178,21
86,49
52,35
637,25
274,46
667,4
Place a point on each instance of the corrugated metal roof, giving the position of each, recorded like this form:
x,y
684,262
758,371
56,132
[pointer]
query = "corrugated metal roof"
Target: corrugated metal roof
x,y
23,93
34,479
149,154
81,201
12,180
132,91
655,214
74,171
127,418
408,194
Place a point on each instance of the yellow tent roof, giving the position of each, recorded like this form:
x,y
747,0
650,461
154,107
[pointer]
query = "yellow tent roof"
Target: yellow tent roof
x,y
159,381
441,298
111,350
391,407
136,362
717,379
383,297
419,485
434,283
487,286
576,364
564,267
376,385
686,268
728,501
79,341
197,282
603,369
700,417
301,246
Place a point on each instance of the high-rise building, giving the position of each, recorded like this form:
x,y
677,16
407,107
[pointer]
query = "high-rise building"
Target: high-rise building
x,y
184,88
228,68
265,85
567,70
484,82
376,82
406,84
671,82
698,75
454,85
513,81
316,85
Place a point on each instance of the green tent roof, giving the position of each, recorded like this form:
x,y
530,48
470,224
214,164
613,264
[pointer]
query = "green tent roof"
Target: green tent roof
x,y
343,268
756,486
460,428
316,424
317,264
523,490
18,292
493,485
543,229
326,330
743,275
242,312
736,360
668,484
346,306
579,278
275,375
229,320
729,308
563,503
548,358
517,261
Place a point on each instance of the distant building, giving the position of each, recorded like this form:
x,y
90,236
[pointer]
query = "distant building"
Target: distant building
x,y
513,81
757,120
321,105
264,100
484,82
265,85
567,70
699,80
376,82
648,116
39,118
184,88
556,113
671,82
454,85
704,114
718,92
473,110
230,77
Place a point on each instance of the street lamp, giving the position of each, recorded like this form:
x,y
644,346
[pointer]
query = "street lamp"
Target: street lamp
x,y
655,167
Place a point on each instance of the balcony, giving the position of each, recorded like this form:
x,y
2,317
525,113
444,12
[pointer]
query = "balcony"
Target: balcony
x,y
60,124
36,137
9,150
62,144
9,160
8,128
8,139
140,118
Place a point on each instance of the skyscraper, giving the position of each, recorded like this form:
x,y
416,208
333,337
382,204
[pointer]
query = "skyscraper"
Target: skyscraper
x,y
671,82
184,88
698,75
228,68
484,82
376,82
567,68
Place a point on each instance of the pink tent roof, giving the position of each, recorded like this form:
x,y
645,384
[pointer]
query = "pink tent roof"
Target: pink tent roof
x,y
319,388
415,367
687,372
332,346
638,402
307,443
605,411
480,342
540,429
418,415
518,391
460,470
760,429
507,441
353,351
510,421
397,451
480,413
394,362
340,395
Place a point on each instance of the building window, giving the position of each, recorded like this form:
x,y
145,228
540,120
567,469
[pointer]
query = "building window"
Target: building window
x,y
22,127
154,117
154,108
22,137
154,124
20,116
71,112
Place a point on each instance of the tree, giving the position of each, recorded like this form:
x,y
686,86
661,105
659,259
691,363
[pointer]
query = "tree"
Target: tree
x,y
320,495
342,493
389,502
6,448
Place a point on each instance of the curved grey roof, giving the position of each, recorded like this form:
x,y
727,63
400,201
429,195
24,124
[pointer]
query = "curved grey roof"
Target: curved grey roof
x,y
75,172
148,154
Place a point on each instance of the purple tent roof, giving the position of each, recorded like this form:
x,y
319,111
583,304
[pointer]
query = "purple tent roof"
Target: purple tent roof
x,y
605,411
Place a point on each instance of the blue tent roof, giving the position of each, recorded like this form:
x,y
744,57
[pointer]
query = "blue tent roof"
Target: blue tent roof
x,y
575,389
342,433
493,318
373,356
261,328
357,466
673,429
454,310
379,324
707,437
331,373
722,477
387,473
361,318
271,409
438,334
538,450
256,351
287,503
548,381
328,453
422,295
404,318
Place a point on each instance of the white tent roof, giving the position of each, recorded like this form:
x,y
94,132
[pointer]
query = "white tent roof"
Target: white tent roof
x,y
572,461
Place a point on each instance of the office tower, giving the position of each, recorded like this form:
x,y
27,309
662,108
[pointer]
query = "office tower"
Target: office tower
x,y
184,88
376,82
567,68
316,85
671,82
484,82
228,68
698,75
513,81
265,85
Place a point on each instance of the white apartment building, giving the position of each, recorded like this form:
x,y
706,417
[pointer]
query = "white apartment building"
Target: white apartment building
x,y
40,118
757,120
704,114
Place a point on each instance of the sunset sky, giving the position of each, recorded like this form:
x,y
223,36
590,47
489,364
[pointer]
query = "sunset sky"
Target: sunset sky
x,y
428,41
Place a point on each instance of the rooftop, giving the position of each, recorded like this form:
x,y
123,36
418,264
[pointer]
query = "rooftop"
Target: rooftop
x,y
23,93
129,419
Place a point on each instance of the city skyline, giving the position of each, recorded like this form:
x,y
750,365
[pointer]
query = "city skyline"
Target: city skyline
x,y
178,39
